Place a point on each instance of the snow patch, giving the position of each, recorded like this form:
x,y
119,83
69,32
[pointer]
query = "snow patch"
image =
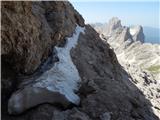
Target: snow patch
x,y
132,31
63,77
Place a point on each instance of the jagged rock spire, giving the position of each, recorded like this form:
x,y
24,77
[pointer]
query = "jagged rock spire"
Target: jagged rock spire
x,y
137,33
113,24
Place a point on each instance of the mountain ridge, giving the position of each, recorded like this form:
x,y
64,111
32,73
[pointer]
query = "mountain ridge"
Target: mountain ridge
x,y
137,57
53,71
152,34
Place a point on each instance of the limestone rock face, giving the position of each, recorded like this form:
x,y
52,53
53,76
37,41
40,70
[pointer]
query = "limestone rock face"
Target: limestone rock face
x,y
113,24
86,71
31,29
115,29
137,33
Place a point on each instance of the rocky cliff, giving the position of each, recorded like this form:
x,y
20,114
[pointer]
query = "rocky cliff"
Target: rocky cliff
x,y
137,33
44,25
54,67
141,60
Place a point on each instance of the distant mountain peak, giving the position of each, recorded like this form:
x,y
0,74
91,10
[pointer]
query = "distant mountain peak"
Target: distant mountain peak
x,y
137,33
113,24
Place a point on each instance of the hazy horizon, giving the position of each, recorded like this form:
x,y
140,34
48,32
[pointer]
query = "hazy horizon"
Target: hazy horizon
x,y
131,13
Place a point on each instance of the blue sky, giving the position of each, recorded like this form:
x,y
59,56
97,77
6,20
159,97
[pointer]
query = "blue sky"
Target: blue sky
x,y
131,13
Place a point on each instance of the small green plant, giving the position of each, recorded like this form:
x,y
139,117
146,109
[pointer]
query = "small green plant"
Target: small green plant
x,y
154,68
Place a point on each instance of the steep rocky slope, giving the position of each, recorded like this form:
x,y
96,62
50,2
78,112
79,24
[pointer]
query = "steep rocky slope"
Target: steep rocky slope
x,y
141,60
54,67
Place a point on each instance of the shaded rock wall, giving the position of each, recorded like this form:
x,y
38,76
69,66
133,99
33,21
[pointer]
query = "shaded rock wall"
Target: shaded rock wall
x,y
106,86
137,57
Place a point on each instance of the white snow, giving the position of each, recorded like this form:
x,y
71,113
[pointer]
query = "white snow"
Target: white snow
x,y
132,31
63,77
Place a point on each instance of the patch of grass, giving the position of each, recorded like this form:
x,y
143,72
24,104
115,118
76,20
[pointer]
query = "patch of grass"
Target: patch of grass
x,y
142,65
154,68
